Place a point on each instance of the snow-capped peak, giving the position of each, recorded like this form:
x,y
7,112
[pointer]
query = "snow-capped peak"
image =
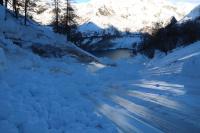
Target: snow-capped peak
x,y
126,15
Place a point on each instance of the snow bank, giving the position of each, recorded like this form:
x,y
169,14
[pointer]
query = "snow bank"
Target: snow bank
x,y
191,67
178,55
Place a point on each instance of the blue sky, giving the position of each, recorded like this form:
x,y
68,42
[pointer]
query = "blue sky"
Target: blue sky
x,y
192,1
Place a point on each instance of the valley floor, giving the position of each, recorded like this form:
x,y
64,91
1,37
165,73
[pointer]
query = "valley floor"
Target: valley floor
x,y
41,95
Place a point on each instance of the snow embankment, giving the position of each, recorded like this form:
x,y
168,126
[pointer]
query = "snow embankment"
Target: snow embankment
x,y
41,95
184,60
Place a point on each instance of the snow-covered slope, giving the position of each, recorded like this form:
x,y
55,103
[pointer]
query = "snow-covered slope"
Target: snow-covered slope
x,y
40,39
195,13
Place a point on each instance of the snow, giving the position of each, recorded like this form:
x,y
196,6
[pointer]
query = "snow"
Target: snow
x,y
193,63
40,95
124,42
133,15
3,59
195,13
64,95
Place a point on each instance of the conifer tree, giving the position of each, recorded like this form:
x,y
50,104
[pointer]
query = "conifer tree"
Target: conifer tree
x,y
69,19
56,11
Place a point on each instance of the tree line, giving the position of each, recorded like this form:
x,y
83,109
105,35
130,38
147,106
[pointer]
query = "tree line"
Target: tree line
x,y
174,35
63,21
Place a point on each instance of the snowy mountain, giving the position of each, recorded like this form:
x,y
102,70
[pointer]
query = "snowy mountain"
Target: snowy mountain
x,y
194,14
129,15
107,17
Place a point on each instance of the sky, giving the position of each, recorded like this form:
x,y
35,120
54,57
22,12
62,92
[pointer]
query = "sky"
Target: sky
x,y
82,0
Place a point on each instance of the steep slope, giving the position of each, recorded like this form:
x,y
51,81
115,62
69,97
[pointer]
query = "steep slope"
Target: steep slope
x,y
39,39
194,14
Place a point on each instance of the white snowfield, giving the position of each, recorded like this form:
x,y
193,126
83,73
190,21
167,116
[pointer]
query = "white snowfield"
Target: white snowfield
x,y
64,95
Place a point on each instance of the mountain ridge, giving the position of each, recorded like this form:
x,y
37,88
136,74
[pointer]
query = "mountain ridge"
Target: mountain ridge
x,y
123,15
